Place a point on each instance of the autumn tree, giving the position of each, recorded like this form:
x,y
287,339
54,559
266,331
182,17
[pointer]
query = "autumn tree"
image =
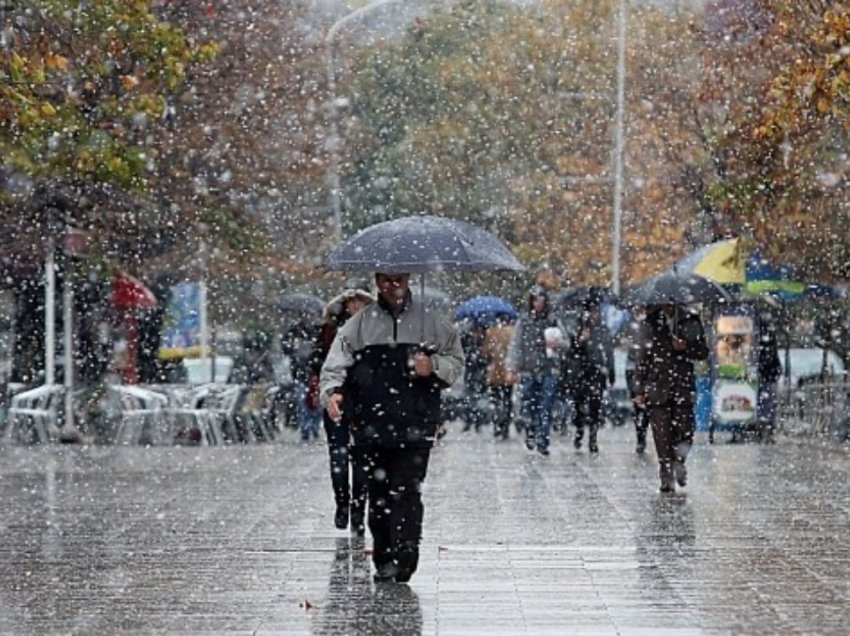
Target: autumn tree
x,y
504,115
774,134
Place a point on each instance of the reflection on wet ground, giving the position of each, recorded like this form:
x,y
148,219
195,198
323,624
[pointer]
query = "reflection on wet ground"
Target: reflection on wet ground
x,y
241,540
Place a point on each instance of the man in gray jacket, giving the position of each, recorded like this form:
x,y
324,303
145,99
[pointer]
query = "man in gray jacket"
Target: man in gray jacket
x,y
386,368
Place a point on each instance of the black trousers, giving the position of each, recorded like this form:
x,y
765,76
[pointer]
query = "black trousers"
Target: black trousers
x,y
395,502
502,399
343,455
588,407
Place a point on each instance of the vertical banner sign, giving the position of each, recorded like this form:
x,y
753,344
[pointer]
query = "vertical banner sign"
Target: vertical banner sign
x,y
181,325
736,379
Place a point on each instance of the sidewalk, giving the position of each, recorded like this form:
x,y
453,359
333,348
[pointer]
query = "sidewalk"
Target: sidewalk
x,y
214,540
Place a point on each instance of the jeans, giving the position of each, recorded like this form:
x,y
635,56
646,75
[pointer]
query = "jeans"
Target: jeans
x,y
538,396
308,419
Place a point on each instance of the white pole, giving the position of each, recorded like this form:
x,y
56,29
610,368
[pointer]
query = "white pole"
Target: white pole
x,y
619,143
50,314
205,363
69,431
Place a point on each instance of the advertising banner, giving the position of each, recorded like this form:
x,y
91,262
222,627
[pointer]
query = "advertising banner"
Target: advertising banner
x,y
181,325
735,394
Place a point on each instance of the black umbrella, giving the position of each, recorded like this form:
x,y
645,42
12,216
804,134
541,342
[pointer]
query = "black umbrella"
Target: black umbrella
x,y
302,303
420,244
417,244
575,297
675,288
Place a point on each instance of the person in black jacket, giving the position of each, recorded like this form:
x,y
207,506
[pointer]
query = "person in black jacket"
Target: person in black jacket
x,y
769,371
592,349
671,339
349,487
385,370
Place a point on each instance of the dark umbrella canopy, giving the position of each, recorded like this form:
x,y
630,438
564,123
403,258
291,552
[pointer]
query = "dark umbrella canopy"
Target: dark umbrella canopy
x,y
675,288
418,244
575,297
485,310
300,302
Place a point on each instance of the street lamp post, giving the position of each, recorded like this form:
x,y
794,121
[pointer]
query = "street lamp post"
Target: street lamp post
x,y
619,143
334,143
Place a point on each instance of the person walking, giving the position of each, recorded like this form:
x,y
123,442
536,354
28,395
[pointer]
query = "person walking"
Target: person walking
x,y
630,341
534,359
769,370
349,487
385,370
497,340
592,348
671,340
299,343
474,376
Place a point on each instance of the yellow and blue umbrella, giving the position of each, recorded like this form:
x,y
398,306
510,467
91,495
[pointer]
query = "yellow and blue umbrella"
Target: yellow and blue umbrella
x,y
733,262
724,262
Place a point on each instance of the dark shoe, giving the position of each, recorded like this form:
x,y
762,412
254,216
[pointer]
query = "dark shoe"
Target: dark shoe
x,y
529,443
543,451
385,573
341,517
666,489
680,473
408,560
667,485
357,522
577,442
640,446
592,446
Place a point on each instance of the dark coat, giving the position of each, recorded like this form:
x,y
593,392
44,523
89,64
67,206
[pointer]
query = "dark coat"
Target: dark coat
x,y
662,374
592,360
767,356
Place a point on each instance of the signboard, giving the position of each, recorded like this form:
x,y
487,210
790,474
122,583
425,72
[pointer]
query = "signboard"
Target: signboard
x,y
181,324
735,394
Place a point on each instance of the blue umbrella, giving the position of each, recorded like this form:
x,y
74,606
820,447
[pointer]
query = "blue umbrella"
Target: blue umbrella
x,y
485,310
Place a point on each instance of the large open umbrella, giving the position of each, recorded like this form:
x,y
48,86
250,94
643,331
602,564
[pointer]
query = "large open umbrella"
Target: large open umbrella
x,y
675,288
421,244
734,263
574,298
417,244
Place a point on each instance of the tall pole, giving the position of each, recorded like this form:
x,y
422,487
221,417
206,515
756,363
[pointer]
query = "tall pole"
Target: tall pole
x,y
335,142
69,431
50,313
203,317
619,143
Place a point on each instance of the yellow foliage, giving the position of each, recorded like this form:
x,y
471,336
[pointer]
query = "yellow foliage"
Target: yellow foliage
x,y
129,82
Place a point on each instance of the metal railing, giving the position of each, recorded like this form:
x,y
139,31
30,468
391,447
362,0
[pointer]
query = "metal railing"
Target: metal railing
x,y
816,409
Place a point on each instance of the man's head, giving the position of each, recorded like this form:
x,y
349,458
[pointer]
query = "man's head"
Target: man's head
x,y
392,288
538,299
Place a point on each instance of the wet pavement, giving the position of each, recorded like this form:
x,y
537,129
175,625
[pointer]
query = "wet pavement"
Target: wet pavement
x,y
211,540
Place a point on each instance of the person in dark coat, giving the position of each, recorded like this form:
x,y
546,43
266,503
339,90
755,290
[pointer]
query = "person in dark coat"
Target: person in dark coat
x,y
350,490
300,343
592,349
671,340
474,377
385,369
631,341
535,360
769,372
